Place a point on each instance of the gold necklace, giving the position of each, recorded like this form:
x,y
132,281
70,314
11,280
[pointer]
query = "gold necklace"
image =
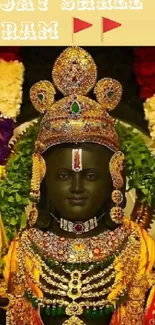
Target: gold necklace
x,y
80,250
72,285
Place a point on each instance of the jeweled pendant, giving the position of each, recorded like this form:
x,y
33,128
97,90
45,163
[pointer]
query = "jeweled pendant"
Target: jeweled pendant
x,y
78,228
74,293
74,320
74,308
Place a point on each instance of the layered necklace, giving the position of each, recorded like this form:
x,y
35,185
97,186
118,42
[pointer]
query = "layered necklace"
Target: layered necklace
x,y
66,266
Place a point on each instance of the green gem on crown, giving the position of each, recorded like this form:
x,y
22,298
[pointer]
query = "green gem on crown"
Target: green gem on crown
x,y
110,94
40,96
75,107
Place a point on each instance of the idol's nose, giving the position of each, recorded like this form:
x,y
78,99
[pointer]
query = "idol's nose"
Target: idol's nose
x,y
77,185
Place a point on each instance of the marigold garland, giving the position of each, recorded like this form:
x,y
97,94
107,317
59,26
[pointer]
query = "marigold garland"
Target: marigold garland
x,y
149,109
11,80
2,171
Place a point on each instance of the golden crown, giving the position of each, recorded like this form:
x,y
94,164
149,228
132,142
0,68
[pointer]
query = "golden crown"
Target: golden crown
x,y
76,118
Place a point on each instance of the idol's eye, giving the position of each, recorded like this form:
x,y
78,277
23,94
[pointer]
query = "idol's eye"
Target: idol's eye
x,y
91,176
63,175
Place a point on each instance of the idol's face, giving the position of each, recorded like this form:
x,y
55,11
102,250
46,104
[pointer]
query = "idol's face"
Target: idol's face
x,y
78,195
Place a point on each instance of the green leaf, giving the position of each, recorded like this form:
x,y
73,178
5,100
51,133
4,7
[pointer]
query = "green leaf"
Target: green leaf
x,y
25,201
10,199
17,186
23,220
13,222
145,191
18,198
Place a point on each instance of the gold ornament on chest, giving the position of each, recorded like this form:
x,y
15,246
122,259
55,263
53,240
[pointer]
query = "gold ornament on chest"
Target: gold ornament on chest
x,y
74,292
74,320
75,285
82,293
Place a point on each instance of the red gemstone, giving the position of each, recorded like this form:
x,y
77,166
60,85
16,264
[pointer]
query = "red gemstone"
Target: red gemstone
x,y
78,228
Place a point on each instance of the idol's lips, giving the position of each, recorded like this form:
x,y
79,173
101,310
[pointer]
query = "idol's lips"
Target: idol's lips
x,y
77,198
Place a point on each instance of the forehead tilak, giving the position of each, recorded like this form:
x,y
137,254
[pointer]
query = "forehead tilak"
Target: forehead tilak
x,y
77,160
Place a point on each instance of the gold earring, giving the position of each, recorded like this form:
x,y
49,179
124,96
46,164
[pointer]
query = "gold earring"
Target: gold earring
x,y
116,166
38,173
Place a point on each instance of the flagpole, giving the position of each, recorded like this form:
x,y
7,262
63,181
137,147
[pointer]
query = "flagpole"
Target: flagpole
x,y
73,30
102,29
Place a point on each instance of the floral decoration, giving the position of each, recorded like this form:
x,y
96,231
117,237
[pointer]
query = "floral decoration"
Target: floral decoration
x,y
149,109
144,69
10,53
11,80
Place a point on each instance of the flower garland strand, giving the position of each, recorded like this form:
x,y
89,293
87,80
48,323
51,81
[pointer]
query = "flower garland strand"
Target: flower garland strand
x,y
11,80
149,110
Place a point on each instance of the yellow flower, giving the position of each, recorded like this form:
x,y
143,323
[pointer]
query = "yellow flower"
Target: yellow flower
x,y
2,171
149,110
11,80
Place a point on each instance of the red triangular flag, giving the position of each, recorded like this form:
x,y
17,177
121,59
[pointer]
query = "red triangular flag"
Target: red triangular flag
x,y
108,24
79,25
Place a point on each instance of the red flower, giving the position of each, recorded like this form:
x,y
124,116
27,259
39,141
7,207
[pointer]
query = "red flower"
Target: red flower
x,y
145,53
10,53
144,69
146,92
